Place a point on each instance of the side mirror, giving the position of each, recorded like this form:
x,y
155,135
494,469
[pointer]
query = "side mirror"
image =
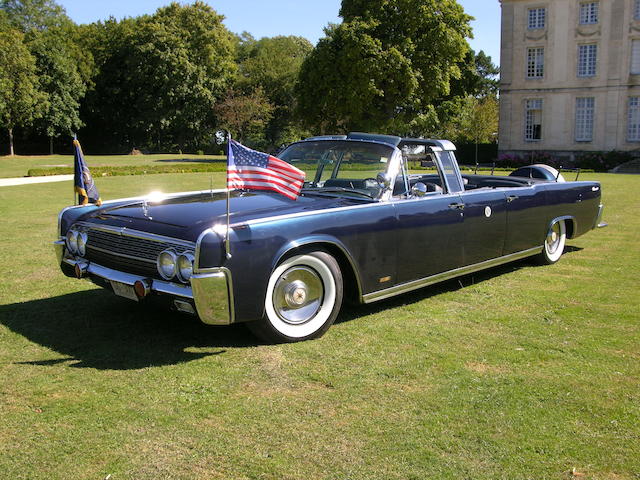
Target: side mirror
x,y
384,180
419,190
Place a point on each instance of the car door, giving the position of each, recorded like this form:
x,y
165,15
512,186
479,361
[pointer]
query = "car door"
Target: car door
x,y
485,225
430,228
526,218
429,236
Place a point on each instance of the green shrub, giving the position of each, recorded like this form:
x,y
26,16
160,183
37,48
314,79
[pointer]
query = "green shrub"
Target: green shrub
x,y
603,161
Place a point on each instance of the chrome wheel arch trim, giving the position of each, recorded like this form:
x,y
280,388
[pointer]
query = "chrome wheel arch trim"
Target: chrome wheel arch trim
x,y
565,218
319,240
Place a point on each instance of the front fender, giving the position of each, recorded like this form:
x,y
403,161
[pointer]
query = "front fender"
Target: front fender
x,y
327,241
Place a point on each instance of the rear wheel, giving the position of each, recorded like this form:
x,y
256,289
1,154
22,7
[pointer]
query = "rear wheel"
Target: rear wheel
x,y
303,299
554,243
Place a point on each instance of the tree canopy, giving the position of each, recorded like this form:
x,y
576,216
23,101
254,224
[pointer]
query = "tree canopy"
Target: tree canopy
x,y
160,76
167,81
20,100
385,66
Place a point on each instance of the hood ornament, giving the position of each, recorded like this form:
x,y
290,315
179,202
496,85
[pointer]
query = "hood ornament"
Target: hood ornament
x,y
145,209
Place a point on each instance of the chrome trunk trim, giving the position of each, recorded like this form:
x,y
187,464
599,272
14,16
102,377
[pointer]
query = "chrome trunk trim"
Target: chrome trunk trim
x,y
440,277
599,223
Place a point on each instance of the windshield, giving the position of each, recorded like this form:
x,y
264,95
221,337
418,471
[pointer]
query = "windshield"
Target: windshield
x,y
337,166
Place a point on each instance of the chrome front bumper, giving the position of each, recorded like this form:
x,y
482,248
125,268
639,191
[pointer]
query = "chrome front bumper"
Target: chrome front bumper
x,y
210,290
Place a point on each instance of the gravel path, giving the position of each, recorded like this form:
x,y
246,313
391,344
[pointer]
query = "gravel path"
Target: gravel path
x,y
10,182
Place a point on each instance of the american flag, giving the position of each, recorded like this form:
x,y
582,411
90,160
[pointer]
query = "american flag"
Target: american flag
x,y
248,169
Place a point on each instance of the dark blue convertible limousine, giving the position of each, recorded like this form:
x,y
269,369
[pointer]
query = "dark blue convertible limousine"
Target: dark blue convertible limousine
x,y
364,228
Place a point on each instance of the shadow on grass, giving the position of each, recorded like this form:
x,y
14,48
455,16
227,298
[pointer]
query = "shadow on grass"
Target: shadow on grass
x,y
95,329
353,311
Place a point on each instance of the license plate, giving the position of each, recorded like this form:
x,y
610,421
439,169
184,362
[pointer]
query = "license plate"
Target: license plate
x,y
124,290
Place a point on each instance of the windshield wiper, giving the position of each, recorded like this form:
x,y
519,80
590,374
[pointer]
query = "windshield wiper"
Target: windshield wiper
x,y
339,190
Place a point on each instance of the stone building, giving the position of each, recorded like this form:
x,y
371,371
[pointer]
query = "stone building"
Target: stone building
x,y
570,78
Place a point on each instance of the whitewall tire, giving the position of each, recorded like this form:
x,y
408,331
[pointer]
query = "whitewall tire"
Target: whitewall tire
x,y
303,298
554,243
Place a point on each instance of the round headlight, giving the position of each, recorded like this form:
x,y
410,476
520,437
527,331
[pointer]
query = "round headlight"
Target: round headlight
x,y
185,266
82,243
72,241
167,264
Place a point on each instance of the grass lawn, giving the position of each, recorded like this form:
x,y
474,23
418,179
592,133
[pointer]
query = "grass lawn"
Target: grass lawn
x,y
520,372
18,166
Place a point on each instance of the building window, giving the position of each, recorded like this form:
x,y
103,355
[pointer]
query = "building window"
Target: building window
x,y
587,60
538,18
636,10
533,120
633,126
535,62
585,108
589,13
635,57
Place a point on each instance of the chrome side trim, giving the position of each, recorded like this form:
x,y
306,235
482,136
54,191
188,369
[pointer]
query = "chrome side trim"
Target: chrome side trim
x,y
129,279
127,232
213,295
440,277
287,216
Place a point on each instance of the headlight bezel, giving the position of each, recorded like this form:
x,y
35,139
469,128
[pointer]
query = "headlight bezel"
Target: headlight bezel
x,y
188,257
81,242
171,254
71,241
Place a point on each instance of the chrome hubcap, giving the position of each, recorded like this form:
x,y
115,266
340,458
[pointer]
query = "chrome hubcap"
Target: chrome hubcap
x,y
298,295
553,238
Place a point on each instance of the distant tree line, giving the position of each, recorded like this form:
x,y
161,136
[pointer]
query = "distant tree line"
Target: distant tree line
x,y
166,82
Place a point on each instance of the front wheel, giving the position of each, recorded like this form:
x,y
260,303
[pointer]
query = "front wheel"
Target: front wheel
x,y
554,244
303,299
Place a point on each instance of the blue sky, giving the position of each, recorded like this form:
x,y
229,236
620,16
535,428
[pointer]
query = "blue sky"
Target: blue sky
x,y
267,18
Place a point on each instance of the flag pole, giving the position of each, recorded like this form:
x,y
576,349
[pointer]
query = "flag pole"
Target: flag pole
x,y
226,241
75,197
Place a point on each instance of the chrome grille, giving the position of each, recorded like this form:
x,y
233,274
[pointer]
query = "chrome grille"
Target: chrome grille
x,y
128,253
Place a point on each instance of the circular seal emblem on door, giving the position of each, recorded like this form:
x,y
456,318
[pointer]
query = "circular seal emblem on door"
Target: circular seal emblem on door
x,y
487,211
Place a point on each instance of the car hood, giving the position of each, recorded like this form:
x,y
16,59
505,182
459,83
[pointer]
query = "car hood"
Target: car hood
x,y
185,217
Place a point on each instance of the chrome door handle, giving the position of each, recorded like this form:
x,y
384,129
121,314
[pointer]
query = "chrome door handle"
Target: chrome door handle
x,y
511,198
456,206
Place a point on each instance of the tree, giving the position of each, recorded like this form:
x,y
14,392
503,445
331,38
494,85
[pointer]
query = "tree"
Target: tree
x,y
479,76
60,79
159,78
473,120
34,15
20,100
245,116
63,69
273,65
384,66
